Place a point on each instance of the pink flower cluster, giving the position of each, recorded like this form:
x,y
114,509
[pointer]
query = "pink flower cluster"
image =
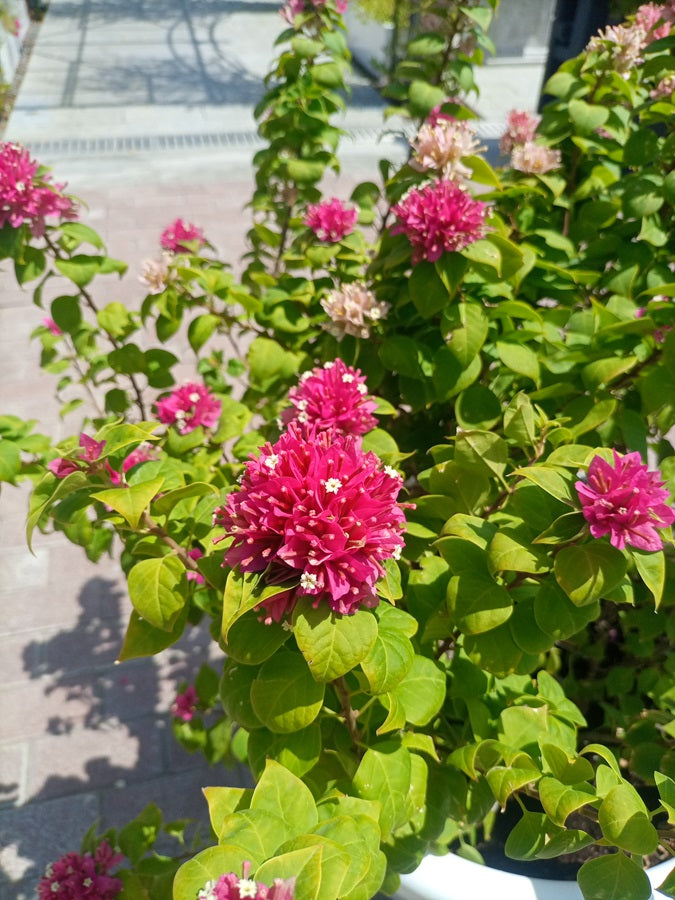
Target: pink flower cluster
x,y
442,146
143,453
82,877
179,236
519,140
26,194
625,500
185,705
330,220
189,406
232,887
333,399
521,127
439,218
293,8
85,461
317,514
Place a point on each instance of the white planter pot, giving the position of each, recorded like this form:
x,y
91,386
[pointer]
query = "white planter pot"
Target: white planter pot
x,y
453,878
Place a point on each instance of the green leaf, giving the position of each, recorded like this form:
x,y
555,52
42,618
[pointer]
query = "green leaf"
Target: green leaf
x,y
477,603
614,877
666,788
304,171
47,492
298,752
143,639
285,695
465,328
80,269
588,572
127,360
651,567
527,837
244,592
201,329
116,319
282,794
269,362
235,694
117,437
625,822
223,801
391,655
332,644
510,551
305,866
359,835
208,865
10,460
587,117
559,800
427,289
260,831
602,372
66,313
519,358
154,590
424,96
482,449
505,780
131,502
556,482
30,265
251,642
389,586
384,775
164,504
422,691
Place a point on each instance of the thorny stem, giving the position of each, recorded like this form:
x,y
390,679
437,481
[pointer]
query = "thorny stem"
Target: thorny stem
x,y
116,344
350,716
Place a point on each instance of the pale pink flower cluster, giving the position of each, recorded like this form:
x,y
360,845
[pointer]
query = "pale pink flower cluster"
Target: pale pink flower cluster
x,y
439,218
535,159
625,500
352,309
185,705
156,274
664,89
318,516
189,406
442,146
143,453
331,220
626,42
181,237
27,194
82,876
521,127
333,398
232,887
86,461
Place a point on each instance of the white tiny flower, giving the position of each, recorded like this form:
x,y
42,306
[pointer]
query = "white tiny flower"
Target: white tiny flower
x,y
180,414
328,365
361,388
20,186
303,417
247,887
305,376
87,882
397,553
301,405
391,472
332,485
308,581
272,461
193,397
347,378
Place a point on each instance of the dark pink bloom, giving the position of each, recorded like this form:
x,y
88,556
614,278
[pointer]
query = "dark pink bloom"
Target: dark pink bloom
x,y
318,514
52,326
178,237
91,451
437,115
295,7
521,127
143,453
330,220
77,877
333,398
192,575
189,406
439,218
626,501
185,705
232,887
26,195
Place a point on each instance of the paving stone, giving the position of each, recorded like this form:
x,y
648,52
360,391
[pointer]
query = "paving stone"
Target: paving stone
x,y
85,759
13,770
33,835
